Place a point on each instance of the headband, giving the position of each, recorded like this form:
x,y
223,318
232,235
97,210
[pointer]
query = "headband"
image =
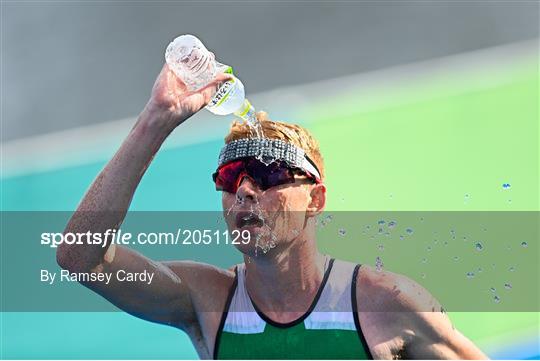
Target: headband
x,y
268,150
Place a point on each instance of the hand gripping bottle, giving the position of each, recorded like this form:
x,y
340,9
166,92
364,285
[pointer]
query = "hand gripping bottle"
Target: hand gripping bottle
x,y
189,59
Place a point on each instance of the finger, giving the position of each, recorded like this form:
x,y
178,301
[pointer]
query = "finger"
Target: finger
x,y
171,79
211,89
223,77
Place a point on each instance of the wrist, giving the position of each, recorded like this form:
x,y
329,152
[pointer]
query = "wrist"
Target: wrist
x,y
152,128
159,119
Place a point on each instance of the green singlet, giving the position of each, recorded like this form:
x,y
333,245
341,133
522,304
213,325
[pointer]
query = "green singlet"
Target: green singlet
x,y
330,329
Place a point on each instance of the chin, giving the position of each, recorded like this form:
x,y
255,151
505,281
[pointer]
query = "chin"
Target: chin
x,y
254,248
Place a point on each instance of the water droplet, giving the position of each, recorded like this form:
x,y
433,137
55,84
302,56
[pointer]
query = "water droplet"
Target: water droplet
x,y
429,248
381,230
524,244
409,230
424,260
492,289
401,237
421,219
380,247
512,269
506,186
381,222
497,299
342,232
479,270
342,200
478,246
423,275
391,195
508,286
392,224
379,264
456,258
446,243
470,275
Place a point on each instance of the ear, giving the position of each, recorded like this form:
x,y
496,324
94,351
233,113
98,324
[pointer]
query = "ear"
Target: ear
x,y
317,200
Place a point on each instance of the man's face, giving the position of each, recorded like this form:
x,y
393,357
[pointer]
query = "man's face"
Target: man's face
x,y
273,217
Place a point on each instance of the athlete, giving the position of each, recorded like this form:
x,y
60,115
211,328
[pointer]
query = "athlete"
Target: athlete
x,y
287,300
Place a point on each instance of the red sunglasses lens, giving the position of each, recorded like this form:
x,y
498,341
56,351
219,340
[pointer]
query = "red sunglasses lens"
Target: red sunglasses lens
x,y
266,176
227,176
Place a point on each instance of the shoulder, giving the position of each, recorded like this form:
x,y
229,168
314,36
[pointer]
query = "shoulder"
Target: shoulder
x,y
386,291
202,274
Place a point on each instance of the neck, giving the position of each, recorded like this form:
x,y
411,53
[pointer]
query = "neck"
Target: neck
x,y
284,282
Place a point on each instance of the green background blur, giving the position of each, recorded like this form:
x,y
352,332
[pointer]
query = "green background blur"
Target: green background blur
x,y
446,143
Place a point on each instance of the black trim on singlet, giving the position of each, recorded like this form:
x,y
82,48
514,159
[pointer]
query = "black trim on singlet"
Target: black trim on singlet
x,y
307,313
356,317
232,290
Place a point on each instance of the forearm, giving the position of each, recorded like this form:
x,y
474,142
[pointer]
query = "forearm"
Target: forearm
x,y
105,204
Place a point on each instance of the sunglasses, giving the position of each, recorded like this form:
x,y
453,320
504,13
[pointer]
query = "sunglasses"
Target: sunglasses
x,y
229,176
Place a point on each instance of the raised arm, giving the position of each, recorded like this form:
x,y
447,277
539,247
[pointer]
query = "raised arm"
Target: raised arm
x,y
167,299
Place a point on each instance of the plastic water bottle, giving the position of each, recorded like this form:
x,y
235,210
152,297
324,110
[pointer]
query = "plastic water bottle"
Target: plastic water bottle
x,y
189,59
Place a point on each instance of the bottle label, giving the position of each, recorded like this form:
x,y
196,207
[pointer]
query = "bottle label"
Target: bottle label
x,y
223,93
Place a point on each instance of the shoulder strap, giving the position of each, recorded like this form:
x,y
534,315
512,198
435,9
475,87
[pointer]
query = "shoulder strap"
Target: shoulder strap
x,y
355,311
232,290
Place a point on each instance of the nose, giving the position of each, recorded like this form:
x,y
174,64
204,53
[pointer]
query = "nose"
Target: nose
x,y
247,189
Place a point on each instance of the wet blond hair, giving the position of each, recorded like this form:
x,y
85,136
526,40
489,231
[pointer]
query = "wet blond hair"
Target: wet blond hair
x,y
291,133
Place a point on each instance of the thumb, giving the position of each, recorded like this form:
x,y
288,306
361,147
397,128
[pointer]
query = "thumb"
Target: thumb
x,y
210,90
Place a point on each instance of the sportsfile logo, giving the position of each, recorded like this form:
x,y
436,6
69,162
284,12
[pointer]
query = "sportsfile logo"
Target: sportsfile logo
x,y
221,93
